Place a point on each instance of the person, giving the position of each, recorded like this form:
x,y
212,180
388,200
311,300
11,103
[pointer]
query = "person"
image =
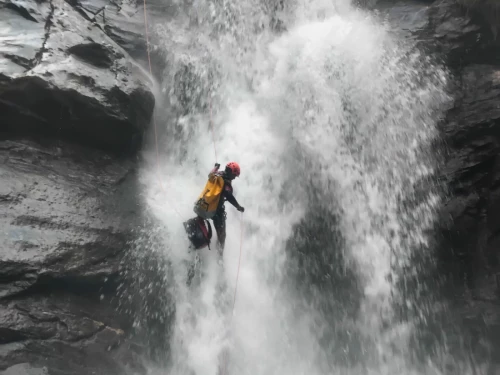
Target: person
x,y
229,174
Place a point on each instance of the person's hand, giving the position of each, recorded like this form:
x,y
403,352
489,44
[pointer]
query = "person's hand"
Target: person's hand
x,y
241,209
217,165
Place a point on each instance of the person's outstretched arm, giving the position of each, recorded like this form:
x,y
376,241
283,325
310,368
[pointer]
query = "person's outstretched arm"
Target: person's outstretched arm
x,y
231,199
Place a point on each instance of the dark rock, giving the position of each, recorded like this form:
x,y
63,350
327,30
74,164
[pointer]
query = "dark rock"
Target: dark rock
x,y
407,18
123,21
468,251
24,369
68,203
46,234
93,53
67,214
457,36
470,255
67,78
486,12
472,132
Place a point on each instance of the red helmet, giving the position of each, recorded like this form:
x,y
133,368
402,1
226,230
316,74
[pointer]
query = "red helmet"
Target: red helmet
x,y
234,167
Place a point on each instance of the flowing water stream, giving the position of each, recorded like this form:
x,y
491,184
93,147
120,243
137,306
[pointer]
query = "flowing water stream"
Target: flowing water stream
x,y
331,118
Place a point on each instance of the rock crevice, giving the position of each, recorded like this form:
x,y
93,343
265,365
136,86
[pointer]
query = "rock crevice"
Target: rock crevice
x,y
48,25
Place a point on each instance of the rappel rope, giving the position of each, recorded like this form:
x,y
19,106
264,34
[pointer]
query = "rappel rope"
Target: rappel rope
x,y
212,127
235,289
215,152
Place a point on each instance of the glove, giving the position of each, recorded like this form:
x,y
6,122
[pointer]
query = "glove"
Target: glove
x,y
217,165
241,209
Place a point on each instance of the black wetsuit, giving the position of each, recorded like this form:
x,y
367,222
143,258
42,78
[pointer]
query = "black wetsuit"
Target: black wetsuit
x,y
219,218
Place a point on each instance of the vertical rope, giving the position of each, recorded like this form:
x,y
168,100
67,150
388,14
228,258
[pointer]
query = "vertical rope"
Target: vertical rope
x,y
226,356
239,263
212,127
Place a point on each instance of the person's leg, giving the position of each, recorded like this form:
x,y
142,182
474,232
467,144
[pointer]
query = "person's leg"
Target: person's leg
x,y
220,227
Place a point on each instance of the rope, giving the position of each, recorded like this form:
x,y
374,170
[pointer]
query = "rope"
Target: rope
x,y
239,263
212,127
226,356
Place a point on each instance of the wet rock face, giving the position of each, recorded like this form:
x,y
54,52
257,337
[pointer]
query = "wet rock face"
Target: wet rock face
x,y
73,110
49,326
470,133
123,21
453,33
469,254
442,28
473,170
64,76
67,213
59,205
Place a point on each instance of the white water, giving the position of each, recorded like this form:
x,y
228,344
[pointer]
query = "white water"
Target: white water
x,y
334,99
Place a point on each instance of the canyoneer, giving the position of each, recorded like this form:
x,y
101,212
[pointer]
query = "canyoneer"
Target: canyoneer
x,y
210,205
